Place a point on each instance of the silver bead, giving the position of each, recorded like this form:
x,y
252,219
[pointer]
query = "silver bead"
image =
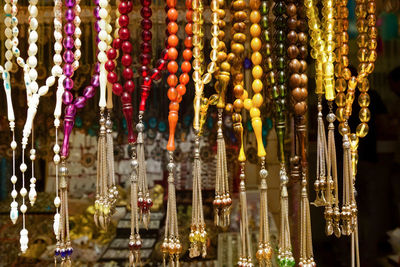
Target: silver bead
x,y
102,120
63,170
284,179
331,117
170,167
140,127
134,163
346,144
109,124
263,173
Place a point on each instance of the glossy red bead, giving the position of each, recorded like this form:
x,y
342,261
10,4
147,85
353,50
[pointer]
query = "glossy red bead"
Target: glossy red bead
x,y
129,86
127,73
112,77
117,89
146,24
124,33
146,12
145,2
123,8
155,74
126,60
145,47
144,71
146,35
117,45
145,59
130,6
110,65
111,53
161,64
126,47
123,21
126,98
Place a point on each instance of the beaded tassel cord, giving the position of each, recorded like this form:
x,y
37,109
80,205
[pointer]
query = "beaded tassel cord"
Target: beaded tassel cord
x,y
198,234
144,200
102,208
223,201
135,242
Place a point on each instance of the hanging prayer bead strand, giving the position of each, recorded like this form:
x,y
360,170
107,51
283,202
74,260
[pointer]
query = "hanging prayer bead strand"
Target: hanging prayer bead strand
x,y
11,33
104,190
171,245
235,59
298,83
223,201
198,234
71,64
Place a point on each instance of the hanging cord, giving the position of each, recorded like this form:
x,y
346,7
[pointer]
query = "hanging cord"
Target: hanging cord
x,y
135,242
144,200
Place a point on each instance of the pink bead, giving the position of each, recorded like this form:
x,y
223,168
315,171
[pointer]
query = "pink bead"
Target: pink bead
x,y
89,92
80,102
67,98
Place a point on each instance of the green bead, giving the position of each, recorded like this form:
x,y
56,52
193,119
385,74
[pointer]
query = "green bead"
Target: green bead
x,y
266,36
264,22
280,63
280,50
280,36
279,8
281,76
264,9
275,92
282,90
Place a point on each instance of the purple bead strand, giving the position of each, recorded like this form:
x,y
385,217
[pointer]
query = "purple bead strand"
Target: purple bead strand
x,y
68,56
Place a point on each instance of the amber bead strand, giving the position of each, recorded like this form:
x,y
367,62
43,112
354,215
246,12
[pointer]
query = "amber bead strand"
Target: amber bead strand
x,y
171,245
236,59
298,84
223,201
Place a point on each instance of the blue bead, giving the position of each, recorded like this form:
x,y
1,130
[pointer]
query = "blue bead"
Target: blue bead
x,y
69,251
63,253
57,252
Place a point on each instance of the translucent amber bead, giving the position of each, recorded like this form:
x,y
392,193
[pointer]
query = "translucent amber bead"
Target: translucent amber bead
x,y
373,32
371,20
340,99
364,86
362,130
362,40
371,7
372,44
361,11
341,85
212,67
362,68
344,49
372,56
214,42
346,74
352,84
340,114
364,115
370,68
353,141
363,100
362,54
255,30
344,60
